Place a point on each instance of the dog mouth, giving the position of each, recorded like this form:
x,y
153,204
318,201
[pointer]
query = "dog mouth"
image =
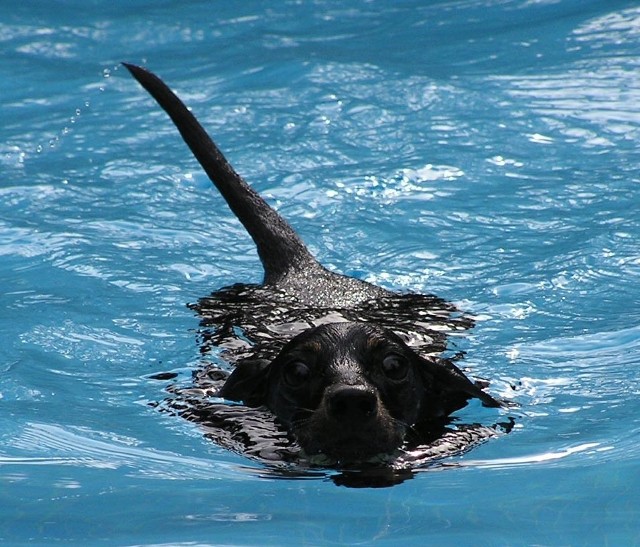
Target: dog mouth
x,y
349,445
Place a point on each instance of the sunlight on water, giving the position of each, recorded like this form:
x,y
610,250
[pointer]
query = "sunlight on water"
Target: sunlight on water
x,y
484,152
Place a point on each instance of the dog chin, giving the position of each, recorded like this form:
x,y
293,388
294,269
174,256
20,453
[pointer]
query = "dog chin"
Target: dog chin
x,y
350,447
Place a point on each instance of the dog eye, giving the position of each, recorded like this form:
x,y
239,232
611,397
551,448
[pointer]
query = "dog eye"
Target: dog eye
x,y
395,367
296,373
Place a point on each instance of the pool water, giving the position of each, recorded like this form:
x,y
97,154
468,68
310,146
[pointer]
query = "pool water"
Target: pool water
x,y
482,150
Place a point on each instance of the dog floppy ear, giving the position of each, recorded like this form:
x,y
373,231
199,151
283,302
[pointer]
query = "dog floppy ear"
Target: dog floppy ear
x,y
247,383
447,389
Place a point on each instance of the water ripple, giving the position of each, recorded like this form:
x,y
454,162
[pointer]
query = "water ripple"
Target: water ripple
x,y
47,444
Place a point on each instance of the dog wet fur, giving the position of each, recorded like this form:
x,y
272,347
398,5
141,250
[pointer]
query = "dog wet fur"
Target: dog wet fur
x,y
326,369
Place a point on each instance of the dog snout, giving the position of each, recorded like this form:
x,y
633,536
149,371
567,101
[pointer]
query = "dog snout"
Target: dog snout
x,y
352,403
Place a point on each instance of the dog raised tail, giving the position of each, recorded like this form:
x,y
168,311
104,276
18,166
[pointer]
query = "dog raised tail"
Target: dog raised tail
x,y
279,247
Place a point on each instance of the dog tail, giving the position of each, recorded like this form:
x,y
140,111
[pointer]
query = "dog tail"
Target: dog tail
x,y
279,247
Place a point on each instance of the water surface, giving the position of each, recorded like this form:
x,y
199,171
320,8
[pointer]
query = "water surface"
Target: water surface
x,y
484,151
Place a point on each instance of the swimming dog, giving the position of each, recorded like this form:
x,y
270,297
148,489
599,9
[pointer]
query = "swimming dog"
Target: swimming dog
x,y
352,370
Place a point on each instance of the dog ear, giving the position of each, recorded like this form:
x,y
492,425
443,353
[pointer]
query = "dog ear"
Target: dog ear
x,y
447,389
248,383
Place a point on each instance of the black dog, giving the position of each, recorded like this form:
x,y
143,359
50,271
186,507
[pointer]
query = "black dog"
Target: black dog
x,y
352,390
345,386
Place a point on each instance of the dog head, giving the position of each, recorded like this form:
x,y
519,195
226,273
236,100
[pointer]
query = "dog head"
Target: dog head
x,y
351,391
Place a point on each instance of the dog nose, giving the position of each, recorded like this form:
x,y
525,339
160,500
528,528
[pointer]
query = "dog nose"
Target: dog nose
x,y
352,403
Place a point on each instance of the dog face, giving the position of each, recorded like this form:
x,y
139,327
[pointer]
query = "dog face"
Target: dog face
x,y
351,391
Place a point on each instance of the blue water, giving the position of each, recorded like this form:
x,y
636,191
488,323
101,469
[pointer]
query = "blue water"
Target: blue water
x,y
486,151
